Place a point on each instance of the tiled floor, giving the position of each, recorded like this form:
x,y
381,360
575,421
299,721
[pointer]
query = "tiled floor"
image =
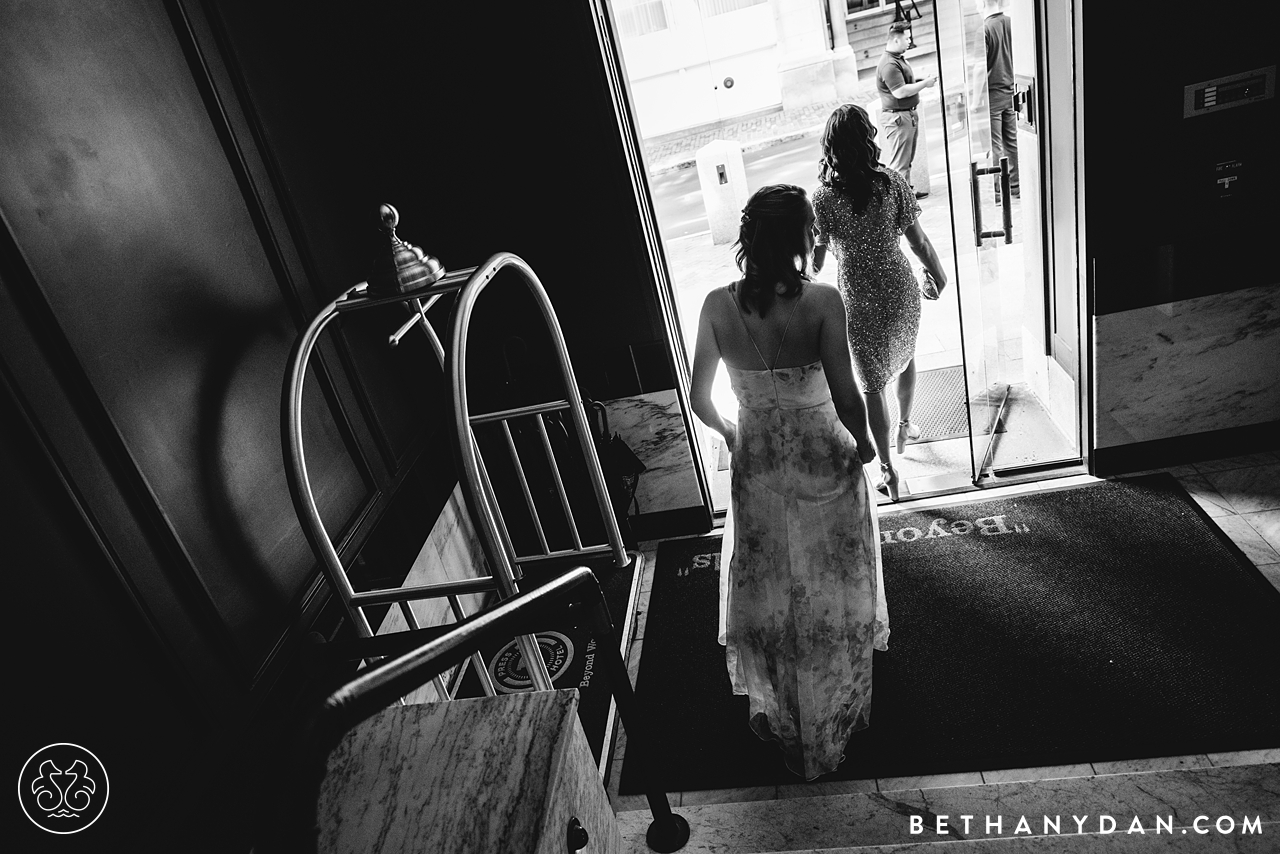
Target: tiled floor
x,y
1241,494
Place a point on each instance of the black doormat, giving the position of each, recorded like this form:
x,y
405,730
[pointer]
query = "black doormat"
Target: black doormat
x,y
1112,621
938,405
569,651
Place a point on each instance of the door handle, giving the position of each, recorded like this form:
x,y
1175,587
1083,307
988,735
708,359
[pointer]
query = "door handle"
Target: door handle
x,y
1007,209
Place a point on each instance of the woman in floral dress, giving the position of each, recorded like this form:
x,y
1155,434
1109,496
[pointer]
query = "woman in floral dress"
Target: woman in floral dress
x,y
805,594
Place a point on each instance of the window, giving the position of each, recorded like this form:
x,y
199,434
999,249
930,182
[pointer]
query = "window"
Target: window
x,y
639,17
907,8
856,6
710,8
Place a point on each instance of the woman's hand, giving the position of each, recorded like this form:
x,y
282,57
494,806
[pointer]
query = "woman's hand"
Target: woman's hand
x,y
866,450
730,434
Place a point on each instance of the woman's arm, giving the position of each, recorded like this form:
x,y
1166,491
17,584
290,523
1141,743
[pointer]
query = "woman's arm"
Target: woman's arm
x,y
706,356
833,344
819,257
923,248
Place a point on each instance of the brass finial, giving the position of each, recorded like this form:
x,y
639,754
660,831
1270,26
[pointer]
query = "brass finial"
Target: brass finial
x,y
405,267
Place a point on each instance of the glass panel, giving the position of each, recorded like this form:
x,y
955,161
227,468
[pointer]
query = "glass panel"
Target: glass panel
x,y
962,56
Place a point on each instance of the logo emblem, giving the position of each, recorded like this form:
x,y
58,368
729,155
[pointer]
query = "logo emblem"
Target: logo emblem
x,y
508,670
63,788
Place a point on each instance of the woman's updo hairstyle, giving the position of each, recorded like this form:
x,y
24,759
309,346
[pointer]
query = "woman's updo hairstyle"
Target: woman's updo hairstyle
x,y
772,248
850,157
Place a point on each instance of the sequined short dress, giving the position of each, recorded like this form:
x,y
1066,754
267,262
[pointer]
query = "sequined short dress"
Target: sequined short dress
x,y
881,295
805,601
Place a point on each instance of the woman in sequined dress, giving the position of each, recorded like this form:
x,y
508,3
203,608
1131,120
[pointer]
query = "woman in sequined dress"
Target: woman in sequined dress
x,y
804,588
862,209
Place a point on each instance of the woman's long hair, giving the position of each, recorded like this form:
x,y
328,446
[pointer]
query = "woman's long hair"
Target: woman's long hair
x,y
772,248
850,157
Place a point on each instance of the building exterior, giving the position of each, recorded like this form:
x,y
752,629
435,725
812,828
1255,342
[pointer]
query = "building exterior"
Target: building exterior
x,y
692,63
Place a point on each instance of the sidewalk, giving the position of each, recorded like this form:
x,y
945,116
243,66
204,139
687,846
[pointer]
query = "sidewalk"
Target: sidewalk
x,y
754,134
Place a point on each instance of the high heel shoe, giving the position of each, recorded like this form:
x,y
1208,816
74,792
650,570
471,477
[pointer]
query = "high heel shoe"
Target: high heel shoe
x,y
889,484
906,430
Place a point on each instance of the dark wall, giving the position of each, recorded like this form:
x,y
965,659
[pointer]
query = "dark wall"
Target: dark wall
x,y
1159,229
84,667
150,291
183,185
120,196
490,131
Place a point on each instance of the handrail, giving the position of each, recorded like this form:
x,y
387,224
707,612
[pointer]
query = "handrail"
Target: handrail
x,y
378,687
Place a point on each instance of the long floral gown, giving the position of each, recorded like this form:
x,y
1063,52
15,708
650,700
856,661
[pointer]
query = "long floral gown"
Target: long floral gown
x,y
804,594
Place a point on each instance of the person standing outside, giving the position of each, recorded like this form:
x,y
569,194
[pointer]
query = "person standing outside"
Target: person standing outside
x,y
899,94
998,32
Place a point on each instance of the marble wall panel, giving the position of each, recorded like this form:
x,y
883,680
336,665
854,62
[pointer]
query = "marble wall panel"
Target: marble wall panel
x,y
1035,363
653,427
1064,402
452,552
1187,367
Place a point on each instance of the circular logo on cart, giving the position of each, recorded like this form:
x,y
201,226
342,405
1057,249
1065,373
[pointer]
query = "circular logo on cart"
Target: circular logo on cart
x,y
508,670
63,788
728,83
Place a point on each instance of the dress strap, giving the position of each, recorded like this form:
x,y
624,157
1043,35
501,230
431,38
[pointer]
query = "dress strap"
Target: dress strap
x,y
783,339
768,365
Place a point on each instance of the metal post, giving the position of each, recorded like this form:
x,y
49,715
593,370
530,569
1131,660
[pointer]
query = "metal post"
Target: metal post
x,y
668,831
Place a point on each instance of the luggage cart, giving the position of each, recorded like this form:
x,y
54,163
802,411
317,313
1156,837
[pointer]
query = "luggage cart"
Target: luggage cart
x,y
418,281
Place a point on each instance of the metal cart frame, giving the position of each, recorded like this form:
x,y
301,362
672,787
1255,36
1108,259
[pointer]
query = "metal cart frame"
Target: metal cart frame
x,y
504,564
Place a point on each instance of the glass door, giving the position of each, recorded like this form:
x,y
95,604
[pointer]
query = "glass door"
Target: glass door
x,y
1018,335
1001,348
962,59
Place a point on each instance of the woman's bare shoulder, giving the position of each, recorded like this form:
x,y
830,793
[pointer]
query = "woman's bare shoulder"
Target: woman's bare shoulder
x,y
826,299
718,301
823,291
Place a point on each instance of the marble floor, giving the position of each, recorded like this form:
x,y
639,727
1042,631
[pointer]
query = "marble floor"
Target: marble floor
x,y
1192,810
1241,494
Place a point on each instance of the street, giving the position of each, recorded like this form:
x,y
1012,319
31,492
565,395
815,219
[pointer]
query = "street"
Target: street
x,y
677,197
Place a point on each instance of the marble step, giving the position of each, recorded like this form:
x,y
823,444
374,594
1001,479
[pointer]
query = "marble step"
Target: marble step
x,y
883,821
1266,842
